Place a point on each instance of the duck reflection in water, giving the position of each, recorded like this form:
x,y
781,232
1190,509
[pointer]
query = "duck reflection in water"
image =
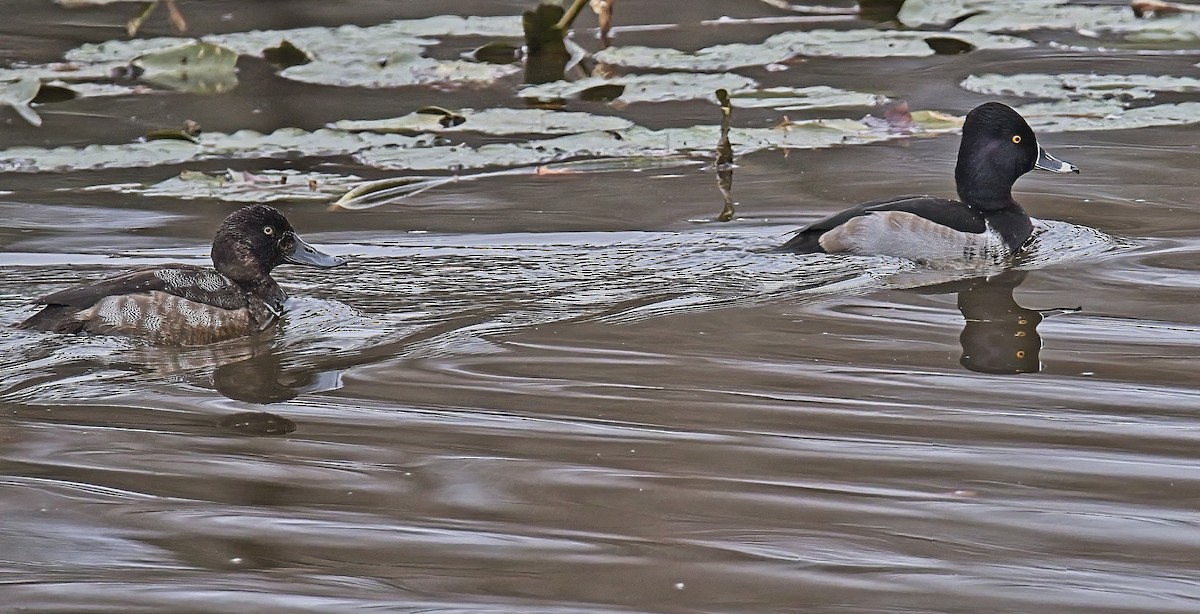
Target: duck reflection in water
x,y
1000,336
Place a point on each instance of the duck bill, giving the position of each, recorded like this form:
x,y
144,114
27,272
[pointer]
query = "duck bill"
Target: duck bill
x,y
1047,162
303,253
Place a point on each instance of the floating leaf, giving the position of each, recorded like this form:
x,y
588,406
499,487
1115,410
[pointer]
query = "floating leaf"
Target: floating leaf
x,y
1072,116
635,142
245,144
643,88
19,95
1076,86
492,121
189,132
1027,15
788,45
241,186
803,98
199,68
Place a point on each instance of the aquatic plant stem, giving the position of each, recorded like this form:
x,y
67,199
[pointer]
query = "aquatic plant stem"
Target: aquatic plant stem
x,y
569,17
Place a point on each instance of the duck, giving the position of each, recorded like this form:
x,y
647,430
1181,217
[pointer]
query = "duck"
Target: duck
x,y
181,304
986,225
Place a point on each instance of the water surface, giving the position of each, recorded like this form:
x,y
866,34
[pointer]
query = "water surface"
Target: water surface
x,y
581,394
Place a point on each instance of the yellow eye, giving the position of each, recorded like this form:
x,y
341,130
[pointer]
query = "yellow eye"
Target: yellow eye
x,y
1016,139
268,230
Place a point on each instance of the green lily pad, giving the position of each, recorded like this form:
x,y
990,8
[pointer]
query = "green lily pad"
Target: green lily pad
x,y
1027,15
241,186
244,144
199,68
1076,86
643,88
492,121
18,95
692,86
788,45
804,98
1079,115
637,142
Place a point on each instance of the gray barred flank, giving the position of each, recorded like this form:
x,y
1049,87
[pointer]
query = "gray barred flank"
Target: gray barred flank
x,y
910,236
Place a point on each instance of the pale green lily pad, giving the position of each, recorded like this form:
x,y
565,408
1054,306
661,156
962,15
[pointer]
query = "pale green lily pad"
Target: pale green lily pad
x,y
692,86
19,95
916,13
788,45
1027,15
645,88
1079,115
242,186
492,121
385,55
804,98
635,142
245,144
195,67
1075,85
413,70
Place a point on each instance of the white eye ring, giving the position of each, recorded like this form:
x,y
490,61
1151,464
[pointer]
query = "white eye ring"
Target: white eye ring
x,y
1016,139
268,230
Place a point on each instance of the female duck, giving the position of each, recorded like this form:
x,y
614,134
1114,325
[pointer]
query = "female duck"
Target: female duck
x,y
985,225
191,305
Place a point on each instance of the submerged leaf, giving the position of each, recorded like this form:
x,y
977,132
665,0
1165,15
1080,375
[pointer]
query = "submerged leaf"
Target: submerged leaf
x,y
286,54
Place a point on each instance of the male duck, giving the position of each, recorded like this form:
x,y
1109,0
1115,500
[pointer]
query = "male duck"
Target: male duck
x,y
986,224
190,305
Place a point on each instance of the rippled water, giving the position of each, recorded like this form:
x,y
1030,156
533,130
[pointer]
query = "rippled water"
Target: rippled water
x,y
580,394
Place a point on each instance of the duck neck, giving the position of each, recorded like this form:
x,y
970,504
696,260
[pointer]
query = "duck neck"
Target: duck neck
x,y
1012,224
265,289
266,300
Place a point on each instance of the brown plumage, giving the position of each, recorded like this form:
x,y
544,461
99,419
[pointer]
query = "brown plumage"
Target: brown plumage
x,y
190,305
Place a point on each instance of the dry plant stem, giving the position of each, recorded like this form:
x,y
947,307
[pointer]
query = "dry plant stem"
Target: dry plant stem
x,y
569,17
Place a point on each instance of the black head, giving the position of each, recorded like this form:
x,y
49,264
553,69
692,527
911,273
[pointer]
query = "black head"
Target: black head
x,y
998,146
254,240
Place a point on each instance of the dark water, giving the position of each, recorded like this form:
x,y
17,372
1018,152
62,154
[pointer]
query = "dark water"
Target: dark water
x,y
581,394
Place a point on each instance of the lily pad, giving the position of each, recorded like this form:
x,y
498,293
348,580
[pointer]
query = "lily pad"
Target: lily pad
x,y
1078,115
385,55
18,95
787,45
637,142
241,186
492,121
1073,86
643,88
804,98
245,144
199,68
1028,15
